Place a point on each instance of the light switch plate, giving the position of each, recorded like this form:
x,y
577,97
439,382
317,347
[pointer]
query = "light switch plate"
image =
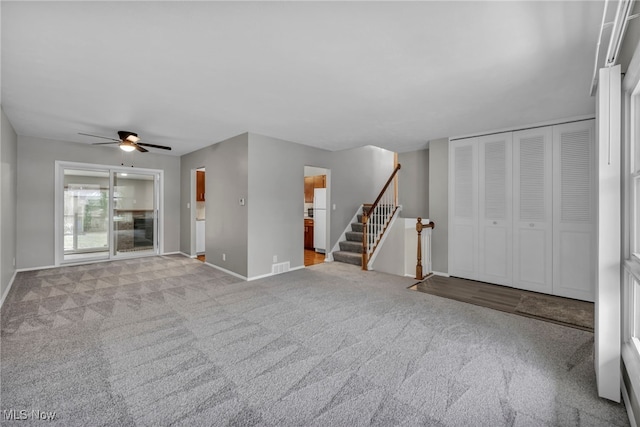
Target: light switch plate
x,y
242,201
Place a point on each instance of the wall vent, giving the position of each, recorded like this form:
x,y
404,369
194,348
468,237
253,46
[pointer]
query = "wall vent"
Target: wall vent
x,y
280,268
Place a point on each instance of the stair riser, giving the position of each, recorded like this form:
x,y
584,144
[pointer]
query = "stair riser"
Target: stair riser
x,y
354,247
352,236
357,227
337,256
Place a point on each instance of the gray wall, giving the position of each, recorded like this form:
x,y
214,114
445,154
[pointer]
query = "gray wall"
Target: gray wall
x,y
226,228
35,200
357,176
413,187
276,200
269,174
439,203
8,198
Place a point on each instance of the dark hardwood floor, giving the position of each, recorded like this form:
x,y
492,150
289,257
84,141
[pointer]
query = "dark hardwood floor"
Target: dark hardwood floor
x,y
200,258
312,257
497,297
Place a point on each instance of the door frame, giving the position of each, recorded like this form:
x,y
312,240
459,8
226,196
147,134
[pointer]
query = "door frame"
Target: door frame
x,y
193,213
59,168
328,255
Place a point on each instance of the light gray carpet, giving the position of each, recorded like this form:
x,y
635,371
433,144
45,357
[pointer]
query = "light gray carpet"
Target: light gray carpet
x,y
171,341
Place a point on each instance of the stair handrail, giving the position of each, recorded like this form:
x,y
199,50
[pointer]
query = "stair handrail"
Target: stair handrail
x,y
393,175
368,248
419,227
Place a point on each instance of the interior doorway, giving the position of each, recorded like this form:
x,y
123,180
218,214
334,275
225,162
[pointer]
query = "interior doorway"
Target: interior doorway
x,y
316,214
199,213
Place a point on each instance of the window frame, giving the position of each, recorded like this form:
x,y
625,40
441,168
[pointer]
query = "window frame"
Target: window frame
x,y
630,296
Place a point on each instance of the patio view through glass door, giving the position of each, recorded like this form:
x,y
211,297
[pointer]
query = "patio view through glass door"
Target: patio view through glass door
x,y
86,213
106,213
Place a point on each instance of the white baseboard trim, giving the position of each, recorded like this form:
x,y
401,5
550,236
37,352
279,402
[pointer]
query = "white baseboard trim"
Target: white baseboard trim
x,y
183,254
173,253
44,267
627,404
6,291
224,270
264,276
437,273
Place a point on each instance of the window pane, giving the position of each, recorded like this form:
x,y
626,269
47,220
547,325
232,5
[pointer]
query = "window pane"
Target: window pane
x,y
635,237
86,213
636,310
133,212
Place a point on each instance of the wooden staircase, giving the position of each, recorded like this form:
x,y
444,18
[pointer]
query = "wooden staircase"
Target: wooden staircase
x,y
367,232
351,249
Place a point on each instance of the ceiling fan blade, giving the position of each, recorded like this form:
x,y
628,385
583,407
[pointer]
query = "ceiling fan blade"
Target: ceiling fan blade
x,y
103,143
162,147
98,136
141,149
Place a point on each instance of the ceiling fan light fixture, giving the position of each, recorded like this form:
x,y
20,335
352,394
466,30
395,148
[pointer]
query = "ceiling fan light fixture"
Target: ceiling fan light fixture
x,y
127,146
133,138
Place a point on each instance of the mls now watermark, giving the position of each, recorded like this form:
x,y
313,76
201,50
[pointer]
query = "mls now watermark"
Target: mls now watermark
x,y
23,414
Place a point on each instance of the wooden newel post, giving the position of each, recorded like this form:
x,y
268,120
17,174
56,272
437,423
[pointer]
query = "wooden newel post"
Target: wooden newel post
x,y
365,239
419,264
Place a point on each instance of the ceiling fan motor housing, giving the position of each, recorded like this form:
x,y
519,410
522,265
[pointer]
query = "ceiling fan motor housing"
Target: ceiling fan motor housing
x,y
128,136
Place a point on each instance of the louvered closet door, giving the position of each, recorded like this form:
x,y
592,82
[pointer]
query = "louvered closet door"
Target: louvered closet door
x,y
532,210
574,210
495,222
463,209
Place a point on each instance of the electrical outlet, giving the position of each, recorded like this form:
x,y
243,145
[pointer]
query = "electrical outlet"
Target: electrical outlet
x,y
275,258
14,262
188,205
334,206
242,201
224,257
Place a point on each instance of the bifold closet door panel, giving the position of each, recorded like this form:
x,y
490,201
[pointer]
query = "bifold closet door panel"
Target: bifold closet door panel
x,y
495,223
574,266
532,209
463,209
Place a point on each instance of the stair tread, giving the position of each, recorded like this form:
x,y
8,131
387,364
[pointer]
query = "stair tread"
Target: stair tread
x,y
349,254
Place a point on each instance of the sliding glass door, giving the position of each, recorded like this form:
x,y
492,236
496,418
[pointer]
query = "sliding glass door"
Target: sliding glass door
x,y
134,219
105,212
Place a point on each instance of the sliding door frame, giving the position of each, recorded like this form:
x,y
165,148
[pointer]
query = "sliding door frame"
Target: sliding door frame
x,y
60,166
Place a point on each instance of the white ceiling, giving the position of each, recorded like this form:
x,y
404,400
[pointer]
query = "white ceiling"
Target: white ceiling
x,y
327,74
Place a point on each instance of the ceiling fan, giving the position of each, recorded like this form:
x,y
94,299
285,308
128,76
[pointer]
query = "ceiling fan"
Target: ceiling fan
x,y
128,141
